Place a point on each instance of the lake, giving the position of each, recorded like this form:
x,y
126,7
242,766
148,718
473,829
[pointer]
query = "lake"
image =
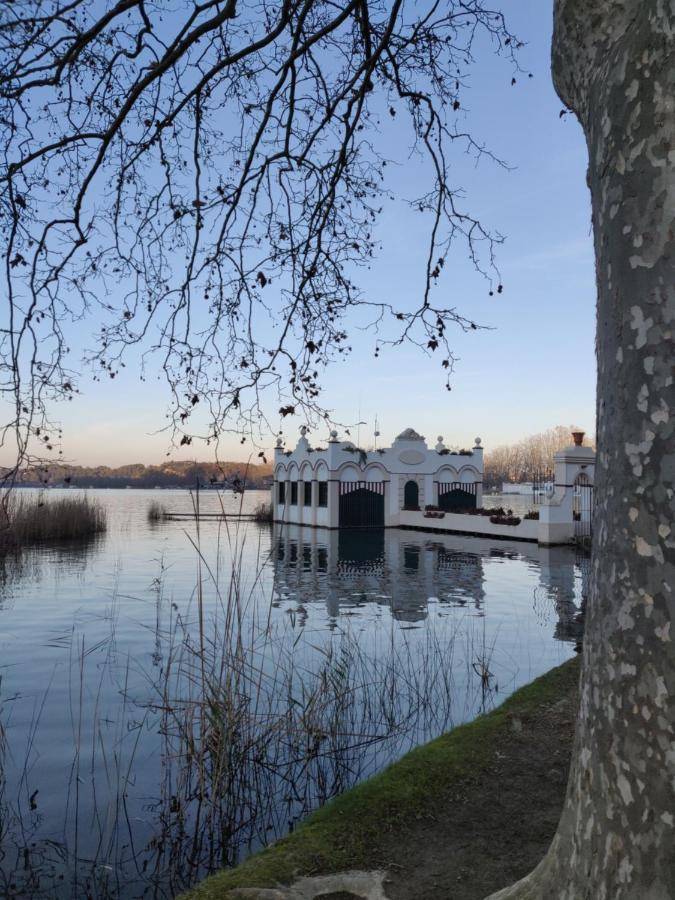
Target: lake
x,y
175,695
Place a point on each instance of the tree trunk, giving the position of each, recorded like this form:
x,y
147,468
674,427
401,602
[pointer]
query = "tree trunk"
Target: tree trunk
x,y
614,66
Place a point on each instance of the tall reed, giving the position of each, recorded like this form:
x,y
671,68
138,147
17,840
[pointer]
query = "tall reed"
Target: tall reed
x,y
263,513
37,518
262,726
156,511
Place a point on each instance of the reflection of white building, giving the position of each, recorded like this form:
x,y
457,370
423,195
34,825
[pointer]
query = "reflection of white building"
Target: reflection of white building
x,y
342,486
404,571
392,568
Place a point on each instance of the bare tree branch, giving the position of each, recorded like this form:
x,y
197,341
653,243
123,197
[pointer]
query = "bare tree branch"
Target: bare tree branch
x,y
206,185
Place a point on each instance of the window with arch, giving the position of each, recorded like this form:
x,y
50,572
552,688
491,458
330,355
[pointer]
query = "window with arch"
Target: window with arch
x,y
411,495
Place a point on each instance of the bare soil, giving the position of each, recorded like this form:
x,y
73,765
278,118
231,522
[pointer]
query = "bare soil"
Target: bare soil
x,y
488,832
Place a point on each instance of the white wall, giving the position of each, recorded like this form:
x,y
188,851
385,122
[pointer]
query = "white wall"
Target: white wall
x,y
527,530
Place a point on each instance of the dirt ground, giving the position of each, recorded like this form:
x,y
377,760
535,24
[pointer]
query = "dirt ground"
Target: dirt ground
x,y
493,830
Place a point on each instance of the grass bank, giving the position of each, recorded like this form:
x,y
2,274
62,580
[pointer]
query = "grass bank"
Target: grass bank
x,y
351,831
36,518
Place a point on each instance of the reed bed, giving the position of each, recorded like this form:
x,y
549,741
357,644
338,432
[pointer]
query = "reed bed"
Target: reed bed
x,y
263,514
157,512
36,518
252,722
261,724
259,736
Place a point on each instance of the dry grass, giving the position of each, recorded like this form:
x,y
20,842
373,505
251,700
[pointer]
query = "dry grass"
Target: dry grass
x,y
156,511
263,513
35,518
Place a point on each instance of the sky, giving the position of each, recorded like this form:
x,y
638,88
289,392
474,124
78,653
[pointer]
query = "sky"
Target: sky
x,y
531,368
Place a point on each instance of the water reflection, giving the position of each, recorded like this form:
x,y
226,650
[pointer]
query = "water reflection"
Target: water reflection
x,y
68,558
409,574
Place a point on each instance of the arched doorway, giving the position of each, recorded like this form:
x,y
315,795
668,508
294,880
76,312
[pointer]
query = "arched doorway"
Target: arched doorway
x,y
411,495
582,501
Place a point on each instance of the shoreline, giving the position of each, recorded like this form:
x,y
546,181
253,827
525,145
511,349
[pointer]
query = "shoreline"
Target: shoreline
x,y
470,811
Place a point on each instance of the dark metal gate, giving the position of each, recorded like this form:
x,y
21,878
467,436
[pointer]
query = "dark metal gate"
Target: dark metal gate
x,y
454,495
583,511
362,504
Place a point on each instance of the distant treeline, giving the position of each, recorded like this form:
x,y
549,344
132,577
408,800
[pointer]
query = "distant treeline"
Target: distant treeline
x,y
137,475
530,459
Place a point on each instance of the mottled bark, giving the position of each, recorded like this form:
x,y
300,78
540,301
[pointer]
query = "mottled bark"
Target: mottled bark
x,y
614,66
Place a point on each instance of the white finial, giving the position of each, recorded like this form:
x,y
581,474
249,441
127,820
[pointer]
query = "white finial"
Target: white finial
x,y
280,443
440,445
303,430
333,435
477,442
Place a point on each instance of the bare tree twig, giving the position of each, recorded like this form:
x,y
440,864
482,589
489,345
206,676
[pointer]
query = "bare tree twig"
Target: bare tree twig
x,y
205,186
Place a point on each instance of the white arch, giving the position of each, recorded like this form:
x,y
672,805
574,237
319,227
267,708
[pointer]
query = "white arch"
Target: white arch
x,y
321,471
374,472
583,478
469,474
350,472
306,471
280,471
293,471
446,474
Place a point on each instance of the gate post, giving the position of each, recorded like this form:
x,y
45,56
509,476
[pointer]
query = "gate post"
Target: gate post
x,y
427,498
556,513
478,453
333,503
315,500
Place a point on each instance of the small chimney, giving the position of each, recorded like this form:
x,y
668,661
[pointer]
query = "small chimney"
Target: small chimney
x,y
578,437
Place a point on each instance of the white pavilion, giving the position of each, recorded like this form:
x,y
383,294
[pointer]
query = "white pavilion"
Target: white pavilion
x,y
343,486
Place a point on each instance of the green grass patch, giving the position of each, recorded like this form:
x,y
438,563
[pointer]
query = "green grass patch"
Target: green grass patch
x,y
344,833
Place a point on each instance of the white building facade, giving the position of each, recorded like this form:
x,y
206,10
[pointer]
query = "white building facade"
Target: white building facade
x,y
342,486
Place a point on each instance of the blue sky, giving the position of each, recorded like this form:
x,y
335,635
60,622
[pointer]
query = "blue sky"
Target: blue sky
x,y
533,369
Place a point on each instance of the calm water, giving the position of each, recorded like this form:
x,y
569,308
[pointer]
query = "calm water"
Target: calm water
x,y
164,713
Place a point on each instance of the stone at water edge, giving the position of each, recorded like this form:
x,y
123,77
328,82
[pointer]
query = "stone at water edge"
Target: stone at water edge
x,y
359,885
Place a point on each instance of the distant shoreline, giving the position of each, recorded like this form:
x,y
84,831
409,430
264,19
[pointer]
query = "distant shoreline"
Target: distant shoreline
x,y
186,475
136,487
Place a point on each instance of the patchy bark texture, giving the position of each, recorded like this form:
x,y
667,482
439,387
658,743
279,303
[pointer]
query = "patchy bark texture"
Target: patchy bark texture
x,y
614,66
